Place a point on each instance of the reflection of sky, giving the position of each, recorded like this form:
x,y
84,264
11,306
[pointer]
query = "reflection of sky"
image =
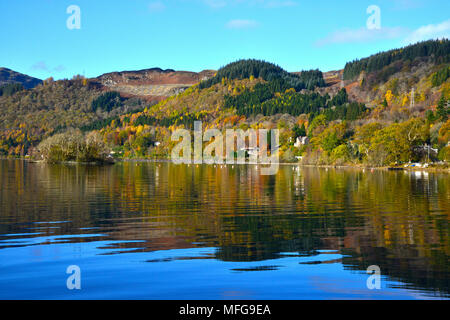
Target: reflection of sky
x,y
38,271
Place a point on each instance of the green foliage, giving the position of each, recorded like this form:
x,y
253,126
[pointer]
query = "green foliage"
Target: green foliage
x,y
340,154
10,88
340,98
275,97
99,124
349,111
329,142
187,120
108,101
268,99
442,110
319,121
439,49
440,77
444,154
299,131
331,137
395,143
243,69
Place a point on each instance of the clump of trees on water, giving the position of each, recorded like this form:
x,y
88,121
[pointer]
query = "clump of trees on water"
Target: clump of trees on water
x,y
438,49
243,69
74,146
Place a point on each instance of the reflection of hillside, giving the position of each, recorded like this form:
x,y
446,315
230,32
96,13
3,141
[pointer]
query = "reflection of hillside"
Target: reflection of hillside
x,y
404,263
396,220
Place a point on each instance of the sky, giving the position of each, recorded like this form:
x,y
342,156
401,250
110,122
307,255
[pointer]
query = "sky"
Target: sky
x,y
38,37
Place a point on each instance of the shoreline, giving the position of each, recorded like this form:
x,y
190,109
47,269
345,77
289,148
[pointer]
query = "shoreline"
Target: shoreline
x,y
359,167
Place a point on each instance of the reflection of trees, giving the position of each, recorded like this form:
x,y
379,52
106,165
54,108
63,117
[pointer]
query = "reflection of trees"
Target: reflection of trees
x,y
396,220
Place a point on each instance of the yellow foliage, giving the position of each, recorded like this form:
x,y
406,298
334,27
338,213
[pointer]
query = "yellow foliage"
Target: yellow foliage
x,y
389,96
405,100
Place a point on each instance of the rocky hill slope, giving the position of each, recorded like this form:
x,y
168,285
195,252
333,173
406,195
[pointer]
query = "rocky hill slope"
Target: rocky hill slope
x,y
152,84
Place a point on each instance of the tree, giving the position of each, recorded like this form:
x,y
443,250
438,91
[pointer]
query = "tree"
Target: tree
x,y
107,101
364,135
395,143
299,131
388,97
442,109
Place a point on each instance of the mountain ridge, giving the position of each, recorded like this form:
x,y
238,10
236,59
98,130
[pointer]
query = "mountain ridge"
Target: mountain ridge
x,y
8,76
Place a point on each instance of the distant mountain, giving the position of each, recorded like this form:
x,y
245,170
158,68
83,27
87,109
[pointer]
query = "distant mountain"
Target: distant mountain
x,y
10,76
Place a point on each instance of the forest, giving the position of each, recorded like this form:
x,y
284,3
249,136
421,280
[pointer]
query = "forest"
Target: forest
x,y
438,50
243,69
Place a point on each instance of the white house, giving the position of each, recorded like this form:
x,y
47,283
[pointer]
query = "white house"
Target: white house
x,y
301,141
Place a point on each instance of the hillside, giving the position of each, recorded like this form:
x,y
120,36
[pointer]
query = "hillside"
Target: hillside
x,y
152,84
10,76
366,116
368,120
28,116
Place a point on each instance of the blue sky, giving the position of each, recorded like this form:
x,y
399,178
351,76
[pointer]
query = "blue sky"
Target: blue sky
x,y
206,34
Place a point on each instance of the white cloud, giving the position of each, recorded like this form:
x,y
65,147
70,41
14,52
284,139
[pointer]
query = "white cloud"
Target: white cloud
x,y
431,31
361,35
42,66
59,68
241,24
156,6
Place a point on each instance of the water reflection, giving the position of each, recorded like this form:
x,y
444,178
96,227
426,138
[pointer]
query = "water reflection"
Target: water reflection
x,y
301,217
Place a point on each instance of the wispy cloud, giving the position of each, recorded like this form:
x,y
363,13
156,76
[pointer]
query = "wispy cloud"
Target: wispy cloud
x,y
156,6
431,31
407,36
362,35
42,66
59,68
241,24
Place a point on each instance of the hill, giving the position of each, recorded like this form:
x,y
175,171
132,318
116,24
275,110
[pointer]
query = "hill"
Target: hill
x,y
152,84
9,76
365,115
367,120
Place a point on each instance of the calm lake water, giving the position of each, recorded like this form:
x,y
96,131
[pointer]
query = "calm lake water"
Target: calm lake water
x,y
165,231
